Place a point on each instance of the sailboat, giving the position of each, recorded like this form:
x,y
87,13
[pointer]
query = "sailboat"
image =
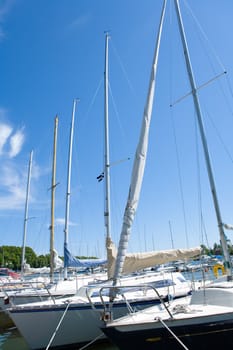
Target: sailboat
x,y
203,320
77,320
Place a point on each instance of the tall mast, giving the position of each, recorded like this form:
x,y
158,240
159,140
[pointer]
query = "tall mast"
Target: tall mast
x,y
106,155
26,214
204,142
107,217
67,213
53,200
139,163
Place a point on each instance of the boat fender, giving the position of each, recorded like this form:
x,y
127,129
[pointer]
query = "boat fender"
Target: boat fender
x,y
216,269
106,316
170,297
6,300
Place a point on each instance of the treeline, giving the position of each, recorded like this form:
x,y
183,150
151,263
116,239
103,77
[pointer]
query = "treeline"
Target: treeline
x,y
216,250
11,256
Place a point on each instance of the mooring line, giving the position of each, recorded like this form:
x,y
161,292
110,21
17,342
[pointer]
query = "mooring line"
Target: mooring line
x,y
58,326
179,341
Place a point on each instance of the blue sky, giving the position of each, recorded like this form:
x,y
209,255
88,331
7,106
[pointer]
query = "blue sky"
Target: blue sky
x,y
52,52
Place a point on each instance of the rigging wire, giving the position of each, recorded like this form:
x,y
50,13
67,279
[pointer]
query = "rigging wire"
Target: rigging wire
x,y
116,111
201,34
220,138
180,181
229,87
123,68
175,138
113,186
93,100
201,30
200,207
208,46
205,233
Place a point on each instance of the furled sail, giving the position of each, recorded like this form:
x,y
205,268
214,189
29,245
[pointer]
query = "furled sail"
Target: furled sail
x,y
139,164
57,261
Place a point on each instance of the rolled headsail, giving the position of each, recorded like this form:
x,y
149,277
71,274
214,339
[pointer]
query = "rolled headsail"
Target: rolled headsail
x,y
139,163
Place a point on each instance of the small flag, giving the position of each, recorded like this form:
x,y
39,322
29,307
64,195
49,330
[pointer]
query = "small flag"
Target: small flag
x,y
100,177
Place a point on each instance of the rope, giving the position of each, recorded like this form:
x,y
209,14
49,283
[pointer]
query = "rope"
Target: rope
x,y
173,334
58,326
180,180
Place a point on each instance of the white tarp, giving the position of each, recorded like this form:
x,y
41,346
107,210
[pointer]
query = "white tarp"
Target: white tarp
x,y
138,261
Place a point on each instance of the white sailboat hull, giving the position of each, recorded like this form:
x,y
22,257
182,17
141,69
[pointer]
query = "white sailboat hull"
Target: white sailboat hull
x,y
31,291
78,326
82,320
202,322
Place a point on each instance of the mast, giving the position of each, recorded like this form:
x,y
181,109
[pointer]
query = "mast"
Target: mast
x,y
170,228
26,214
107,217
227,262
67,213
53,200
139,163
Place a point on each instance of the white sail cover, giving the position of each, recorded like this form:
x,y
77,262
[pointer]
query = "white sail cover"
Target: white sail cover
x,y
139,164
138,261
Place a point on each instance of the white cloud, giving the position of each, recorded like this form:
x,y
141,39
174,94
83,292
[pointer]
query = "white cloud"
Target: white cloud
x,y
16,143
10,143
14,173
61,222
13,177
36,170
12,188
5,132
